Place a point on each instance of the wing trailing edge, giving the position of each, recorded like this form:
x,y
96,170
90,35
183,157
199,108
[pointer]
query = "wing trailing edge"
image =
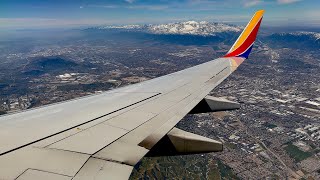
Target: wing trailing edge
x,y
242,47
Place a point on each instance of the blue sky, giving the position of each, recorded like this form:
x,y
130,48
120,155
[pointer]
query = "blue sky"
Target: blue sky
x,y
69,13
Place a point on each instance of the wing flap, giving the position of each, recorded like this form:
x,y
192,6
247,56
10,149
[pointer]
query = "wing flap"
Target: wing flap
x,y
32,174
122,152
90,140
98,169
61,162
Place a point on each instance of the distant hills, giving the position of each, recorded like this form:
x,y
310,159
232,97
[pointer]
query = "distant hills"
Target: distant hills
x,y
302,34
300,40
44,65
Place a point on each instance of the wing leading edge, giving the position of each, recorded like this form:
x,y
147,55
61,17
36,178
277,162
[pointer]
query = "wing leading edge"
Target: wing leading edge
x,y
104,136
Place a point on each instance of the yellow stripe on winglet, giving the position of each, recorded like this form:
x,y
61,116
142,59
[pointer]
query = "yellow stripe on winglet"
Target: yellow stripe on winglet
x,y
246,32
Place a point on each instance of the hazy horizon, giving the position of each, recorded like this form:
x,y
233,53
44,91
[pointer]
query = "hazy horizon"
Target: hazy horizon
x,y
19,14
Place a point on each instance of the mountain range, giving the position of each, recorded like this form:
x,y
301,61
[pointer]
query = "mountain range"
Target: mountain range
x,y
299,40
202,32
203,28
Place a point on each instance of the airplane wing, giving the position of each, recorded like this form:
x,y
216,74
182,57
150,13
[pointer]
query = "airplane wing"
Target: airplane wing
x,y
105,135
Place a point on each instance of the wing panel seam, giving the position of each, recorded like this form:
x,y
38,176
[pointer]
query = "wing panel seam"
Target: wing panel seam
x,y
78,125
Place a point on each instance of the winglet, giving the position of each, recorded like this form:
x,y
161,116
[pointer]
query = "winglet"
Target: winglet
x,y
242,47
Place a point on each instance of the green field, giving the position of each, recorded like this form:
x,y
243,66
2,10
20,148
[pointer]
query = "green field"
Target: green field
x,y
295,153
270,126
182,167
225,171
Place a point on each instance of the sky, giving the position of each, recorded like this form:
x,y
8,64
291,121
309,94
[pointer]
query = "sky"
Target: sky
x,y
73,13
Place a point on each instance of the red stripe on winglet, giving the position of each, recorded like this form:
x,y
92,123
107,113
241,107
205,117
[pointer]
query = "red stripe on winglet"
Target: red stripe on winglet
x,y
247,43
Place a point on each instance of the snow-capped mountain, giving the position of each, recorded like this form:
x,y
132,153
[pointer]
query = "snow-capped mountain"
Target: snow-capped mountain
x,y
313,34
133,26
193,27
189,27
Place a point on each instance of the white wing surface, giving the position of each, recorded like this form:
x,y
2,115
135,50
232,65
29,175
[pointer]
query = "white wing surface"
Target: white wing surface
x,y
103,136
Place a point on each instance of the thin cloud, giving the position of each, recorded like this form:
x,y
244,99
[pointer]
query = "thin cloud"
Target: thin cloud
x,y
287,1
129,1
251,3
148,7
104,6
48,22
